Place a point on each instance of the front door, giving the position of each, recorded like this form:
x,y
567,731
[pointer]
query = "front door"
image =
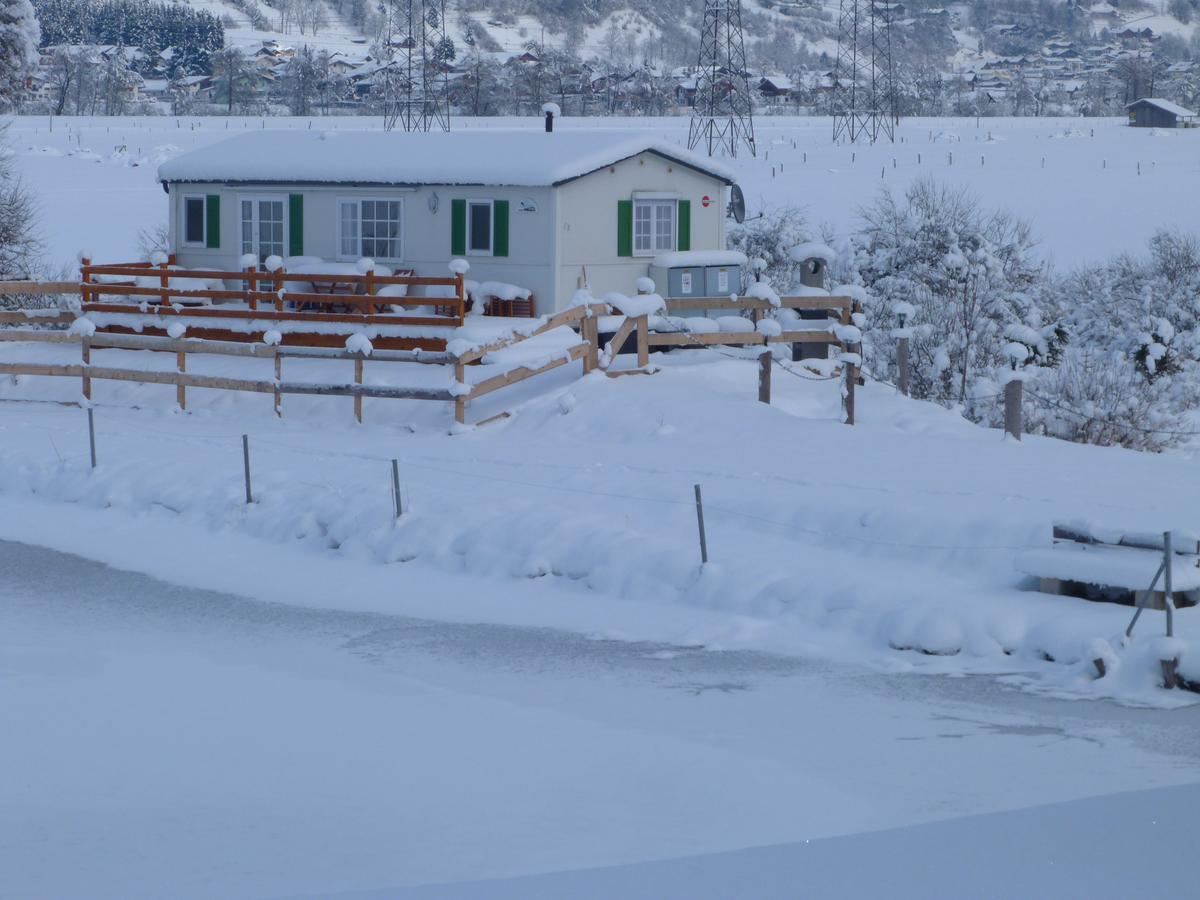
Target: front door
x,y
263,227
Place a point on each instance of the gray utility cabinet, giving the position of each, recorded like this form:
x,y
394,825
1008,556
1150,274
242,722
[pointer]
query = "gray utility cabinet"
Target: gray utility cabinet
x,y
721,281
680,281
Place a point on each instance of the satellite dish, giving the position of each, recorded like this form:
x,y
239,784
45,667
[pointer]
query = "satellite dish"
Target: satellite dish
x,y
737,204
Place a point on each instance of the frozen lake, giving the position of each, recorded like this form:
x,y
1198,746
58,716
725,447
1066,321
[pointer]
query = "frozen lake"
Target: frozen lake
x,y
165,741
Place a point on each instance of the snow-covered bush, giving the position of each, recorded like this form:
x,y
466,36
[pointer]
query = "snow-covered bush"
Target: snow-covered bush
x,y
771,239
1100,397
968,274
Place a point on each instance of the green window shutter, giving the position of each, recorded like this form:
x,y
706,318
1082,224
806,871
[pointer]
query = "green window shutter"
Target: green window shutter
x,y
212,220
684,225
624,228
458,227
295,225
500,228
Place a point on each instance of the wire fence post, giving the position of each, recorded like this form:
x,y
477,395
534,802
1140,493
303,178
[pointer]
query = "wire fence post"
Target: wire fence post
x,y
92,435
764,376
700,523
1012,408
1169,666
397,506
246,465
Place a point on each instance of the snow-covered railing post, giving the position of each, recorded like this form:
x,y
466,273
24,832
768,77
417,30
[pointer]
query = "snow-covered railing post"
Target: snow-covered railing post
x,y
159,259
1168,654
1017,354
85,276
904,312
764,376
250,269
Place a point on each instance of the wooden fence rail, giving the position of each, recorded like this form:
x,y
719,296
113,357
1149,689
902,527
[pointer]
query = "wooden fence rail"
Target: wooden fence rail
x,y
357,290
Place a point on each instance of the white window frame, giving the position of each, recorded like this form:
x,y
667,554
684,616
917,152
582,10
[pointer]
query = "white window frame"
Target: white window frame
x,y
255,198
653,200
183,201
358,201
491,205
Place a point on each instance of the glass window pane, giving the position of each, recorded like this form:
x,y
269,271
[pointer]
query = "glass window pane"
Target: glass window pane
x,y
481,227
641,226
193,214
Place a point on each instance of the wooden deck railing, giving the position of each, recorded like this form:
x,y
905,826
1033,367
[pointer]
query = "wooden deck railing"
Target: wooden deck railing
x,y
358,292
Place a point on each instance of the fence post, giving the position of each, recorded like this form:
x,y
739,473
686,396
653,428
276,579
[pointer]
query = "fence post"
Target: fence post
x,y
358,379
397,506
278,379
92,435
85,276
460,400
590,332
246,466
700,523
1169,666
252,286
1012,408
277,285
848,400
165,283
180,389
86,346
643,341
902,362
764,376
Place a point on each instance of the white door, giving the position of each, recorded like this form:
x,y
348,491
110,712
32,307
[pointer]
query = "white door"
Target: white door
x,y
263,227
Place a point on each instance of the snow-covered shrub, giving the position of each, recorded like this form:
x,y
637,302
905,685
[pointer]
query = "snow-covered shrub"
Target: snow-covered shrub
x,y
969,274
771,239
1100,397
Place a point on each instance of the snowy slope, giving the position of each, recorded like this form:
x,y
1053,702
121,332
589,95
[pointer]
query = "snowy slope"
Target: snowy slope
x,y
1064,175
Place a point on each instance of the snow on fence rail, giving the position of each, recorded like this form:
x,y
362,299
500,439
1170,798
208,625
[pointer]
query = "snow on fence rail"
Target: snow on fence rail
x,y
190,292
517,354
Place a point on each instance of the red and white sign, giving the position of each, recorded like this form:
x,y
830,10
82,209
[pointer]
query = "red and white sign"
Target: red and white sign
x,y
705,201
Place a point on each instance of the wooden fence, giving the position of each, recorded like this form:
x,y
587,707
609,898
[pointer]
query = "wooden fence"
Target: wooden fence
x,y
268,290
583,319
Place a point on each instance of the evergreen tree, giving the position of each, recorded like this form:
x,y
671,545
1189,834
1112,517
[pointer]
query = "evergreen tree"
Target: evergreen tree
x,y
20,35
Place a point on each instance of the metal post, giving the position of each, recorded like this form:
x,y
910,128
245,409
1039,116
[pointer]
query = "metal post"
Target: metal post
x,y
764,376
92,435
848,400
1012,408
246,465
700,522
902,361
1168,596
1170,675
396,488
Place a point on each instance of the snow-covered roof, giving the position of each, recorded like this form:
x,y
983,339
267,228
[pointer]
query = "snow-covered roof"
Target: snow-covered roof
x,y
497,157
1165,106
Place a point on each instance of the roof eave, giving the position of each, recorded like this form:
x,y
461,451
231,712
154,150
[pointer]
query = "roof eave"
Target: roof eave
x,y
667,156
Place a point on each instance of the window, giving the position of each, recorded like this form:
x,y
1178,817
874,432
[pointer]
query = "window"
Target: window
x,y
263,226
653,226
479,227
369,228
193,220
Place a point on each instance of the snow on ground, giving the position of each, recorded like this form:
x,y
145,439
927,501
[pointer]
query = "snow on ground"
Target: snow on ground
x,y
164,741
894,542
1077,179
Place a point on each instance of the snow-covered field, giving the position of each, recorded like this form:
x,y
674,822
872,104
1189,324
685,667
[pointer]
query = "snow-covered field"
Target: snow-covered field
x,y
168,742
370,704
1077,180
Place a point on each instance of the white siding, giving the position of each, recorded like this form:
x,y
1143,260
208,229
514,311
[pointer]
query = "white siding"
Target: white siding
x,y
588,220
